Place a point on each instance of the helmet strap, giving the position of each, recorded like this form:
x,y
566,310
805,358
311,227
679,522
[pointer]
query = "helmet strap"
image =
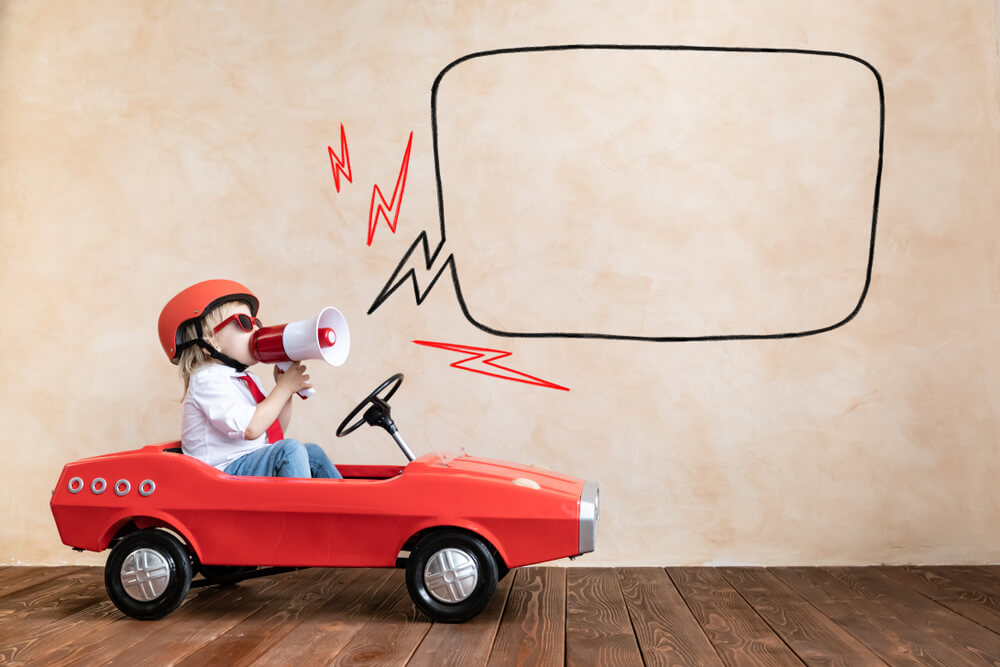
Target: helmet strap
x,y
215,353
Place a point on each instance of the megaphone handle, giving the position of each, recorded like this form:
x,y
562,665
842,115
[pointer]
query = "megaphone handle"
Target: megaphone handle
x,y
305,393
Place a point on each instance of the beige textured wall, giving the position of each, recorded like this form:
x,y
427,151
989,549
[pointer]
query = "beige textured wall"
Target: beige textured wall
x,y
148,145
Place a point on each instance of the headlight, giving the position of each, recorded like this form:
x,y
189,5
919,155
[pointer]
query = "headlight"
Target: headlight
x,y
590,499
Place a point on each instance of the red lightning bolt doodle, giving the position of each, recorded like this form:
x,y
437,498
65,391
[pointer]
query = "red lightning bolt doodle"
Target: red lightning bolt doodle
x,y
392,206
480,354
340,164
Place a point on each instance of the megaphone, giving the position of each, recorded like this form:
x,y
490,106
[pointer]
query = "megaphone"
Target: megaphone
x,y
325,337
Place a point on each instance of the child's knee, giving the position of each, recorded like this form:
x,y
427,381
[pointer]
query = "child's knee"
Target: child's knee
x,y
293,452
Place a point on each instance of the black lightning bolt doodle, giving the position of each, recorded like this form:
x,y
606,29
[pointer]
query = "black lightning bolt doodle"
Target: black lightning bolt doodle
x,y
398,276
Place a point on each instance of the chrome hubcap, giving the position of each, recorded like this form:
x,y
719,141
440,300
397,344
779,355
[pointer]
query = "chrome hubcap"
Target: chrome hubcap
x,y
451,575
145,574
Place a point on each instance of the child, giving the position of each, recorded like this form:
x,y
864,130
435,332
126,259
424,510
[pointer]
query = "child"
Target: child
x,y
228,420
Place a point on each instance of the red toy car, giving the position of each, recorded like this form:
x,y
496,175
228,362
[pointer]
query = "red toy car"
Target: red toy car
x,y
457,524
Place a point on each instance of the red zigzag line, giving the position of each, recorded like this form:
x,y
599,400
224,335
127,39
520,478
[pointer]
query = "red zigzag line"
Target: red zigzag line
x,y
339,162
479,353
392,205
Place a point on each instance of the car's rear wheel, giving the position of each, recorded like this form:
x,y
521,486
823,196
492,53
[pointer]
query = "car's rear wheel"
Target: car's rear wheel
x,y
451,575
148,574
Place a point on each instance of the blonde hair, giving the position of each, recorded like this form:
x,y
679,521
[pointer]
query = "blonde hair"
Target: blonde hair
x,y
194,357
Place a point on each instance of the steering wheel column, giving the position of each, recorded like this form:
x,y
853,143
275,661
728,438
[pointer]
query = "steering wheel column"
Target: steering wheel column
x,y
380,414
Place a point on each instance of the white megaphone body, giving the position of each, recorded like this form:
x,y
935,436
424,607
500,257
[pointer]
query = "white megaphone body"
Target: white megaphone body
x,y
325,337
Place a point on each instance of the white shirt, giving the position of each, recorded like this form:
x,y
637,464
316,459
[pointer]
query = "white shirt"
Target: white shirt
x,y
217,410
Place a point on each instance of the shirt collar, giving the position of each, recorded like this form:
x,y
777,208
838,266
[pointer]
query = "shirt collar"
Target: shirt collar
x,y
220,369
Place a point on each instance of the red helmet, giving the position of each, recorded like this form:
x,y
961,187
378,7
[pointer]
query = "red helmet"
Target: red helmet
x,y
191,304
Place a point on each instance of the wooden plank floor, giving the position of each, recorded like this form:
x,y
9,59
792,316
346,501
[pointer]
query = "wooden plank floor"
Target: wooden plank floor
x,y
947,616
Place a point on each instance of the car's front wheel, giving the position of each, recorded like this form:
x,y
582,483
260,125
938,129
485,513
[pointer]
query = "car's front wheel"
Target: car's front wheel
x,y
451,575
148,574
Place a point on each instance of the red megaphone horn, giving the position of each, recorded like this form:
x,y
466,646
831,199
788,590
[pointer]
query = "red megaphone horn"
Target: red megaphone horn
x,y
325,337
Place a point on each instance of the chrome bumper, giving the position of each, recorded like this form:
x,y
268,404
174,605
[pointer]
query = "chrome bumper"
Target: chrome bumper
x,y
590,500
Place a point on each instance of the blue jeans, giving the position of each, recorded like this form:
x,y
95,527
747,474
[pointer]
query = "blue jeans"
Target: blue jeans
x,y
285,458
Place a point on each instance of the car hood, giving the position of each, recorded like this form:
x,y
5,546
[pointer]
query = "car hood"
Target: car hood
x,y
502,471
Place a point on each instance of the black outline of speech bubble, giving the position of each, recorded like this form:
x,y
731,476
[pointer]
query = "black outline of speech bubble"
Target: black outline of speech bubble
x,y
431,258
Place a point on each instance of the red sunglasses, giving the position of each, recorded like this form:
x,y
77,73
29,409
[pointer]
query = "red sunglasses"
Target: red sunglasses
x,y
245,321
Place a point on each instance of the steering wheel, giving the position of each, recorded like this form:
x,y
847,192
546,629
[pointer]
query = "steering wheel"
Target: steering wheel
x,y
379,404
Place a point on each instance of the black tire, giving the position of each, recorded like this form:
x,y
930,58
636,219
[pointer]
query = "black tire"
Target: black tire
x,y
148,574
451,576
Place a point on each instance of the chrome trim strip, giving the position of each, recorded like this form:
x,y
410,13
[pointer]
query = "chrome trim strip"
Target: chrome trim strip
x,y
589,515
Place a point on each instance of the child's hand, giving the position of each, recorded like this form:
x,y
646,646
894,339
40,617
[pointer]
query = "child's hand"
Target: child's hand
x,y
294,379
